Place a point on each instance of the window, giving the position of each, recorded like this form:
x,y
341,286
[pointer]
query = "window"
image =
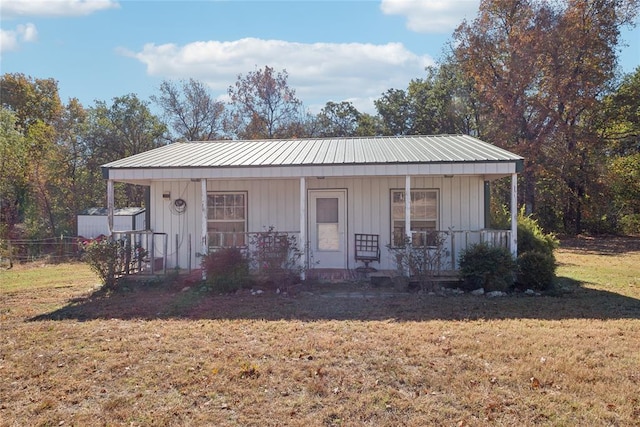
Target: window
x,y
424,216
227,219
327,224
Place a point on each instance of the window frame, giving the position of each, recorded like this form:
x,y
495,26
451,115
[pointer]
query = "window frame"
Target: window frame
x,y
435,220
243,240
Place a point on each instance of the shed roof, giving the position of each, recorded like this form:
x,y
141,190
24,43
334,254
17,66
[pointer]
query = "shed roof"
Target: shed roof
x,y
318,151
128,211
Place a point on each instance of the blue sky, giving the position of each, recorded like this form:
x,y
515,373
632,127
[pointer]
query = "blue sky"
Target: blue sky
x,y
332,50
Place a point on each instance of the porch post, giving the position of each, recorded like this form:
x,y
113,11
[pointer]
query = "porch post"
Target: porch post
x,y
514,214
303,224
407,206
110,202
203,213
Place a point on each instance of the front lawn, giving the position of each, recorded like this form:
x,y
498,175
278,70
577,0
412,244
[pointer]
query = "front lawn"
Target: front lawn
x,y
169,354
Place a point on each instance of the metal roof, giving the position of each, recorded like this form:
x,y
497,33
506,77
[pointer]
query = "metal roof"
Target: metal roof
x,y
129,211
318,152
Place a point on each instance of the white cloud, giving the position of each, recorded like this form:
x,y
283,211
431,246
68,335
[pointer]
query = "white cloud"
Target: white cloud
x,y
28,32
432,16
10,39
53,8
357,72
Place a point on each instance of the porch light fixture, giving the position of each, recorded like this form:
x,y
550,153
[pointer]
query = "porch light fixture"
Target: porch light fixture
x,y
319,177
166,195
448,176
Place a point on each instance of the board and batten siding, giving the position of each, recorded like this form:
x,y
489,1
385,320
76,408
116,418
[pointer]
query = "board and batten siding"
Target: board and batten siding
x,y
186,225
270,202
460,198
276,202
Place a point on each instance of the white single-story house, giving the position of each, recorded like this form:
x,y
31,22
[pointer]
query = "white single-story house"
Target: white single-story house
x,y
93,222
210,194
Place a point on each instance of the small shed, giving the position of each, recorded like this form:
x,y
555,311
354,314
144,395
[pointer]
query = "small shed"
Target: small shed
x,y
93,222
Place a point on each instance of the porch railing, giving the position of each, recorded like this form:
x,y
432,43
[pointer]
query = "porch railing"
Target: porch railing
x,y
264,249
248,241
146,252
242,240
142,251
455,241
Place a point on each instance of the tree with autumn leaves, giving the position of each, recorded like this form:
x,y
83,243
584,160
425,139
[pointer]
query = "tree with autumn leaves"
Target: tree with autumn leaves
x,y
264,105
541,71
30,158
52,152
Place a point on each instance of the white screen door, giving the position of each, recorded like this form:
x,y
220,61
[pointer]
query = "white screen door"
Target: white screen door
x,y
327,224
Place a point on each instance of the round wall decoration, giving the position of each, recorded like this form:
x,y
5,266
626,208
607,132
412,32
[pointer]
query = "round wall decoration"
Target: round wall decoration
x,y
179,206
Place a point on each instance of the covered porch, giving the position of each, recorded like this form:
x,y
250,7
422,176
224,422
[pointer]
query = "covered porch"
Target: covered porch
x,y
144,252
205,196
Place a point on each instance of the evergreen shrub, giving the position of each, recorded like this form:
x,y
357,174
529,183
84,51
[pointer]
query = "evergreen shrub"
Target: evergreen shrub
x,y
536,259
489,267
536,270
532,238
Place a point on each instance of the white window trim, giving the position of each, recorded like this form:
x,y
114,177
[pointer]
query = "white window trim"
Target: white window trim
x,y
218,221
436,220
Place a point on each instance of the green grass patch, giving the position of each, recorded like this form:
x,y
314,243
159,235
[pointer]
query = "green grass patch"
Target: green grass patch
x,y
614,272
35,275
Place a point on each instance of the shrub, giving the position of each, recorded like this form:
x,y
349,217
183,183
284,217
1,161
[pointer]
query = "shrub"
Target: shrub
x,y
536,270
488,267
630,224
500,215
106,258
276,257
532,238
536,259
227,269
421,261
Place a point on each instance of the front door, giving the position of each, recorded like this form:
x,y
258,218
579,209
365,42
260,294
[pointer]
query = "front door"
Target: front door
x,y
327,228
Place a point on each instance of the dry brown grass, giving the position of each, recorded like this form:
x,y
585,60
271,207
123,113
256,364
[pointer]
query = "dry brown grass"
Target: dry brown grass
x,y
155,354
